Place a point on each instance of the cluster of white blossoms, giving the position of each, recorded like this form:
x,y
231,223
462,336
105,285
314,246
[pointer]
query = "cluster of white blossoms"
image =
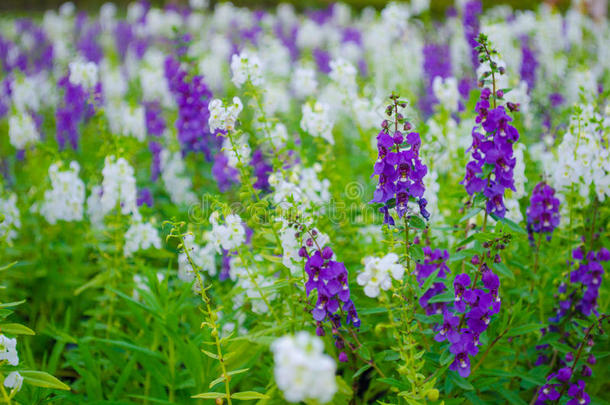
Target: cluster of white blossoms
x,y
83,73
65,200
8,353
302,185
10,220
302,370
204,257
22,130
446,91
246,66
118,186
228,236
304,82
251,285
152,79
177,184
126,120
8,350
378,273
237,150
582,159
344,75
317,121
224,118
141,236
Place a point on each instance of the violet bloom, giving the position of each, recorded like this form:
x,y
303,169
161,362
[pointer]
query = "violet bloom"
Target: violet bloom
x,y
261,170
400,171
449,329
224,174
470,20
437,62
155,123
330,279
144,197
433,260
322,59
76,106
578,394
548,392
192,97
529,64
492,149
462,349
543,213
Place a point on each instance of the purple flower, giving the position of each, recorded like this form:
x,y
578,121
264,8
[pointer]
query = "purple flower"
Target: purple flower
x,y
399,170
192,97
543,213
144,197
529,64
462,349
578,394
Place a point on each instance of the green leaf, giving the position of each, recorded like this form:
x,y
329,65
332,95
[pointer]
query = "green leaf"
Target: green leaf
x,y
249,395
42,379
446,358
460,382
395,383
471,213
503,270
511,396
417,222
513,226
444,297
210,395
431,278
525,329
361,370
222,377
11,304
16,329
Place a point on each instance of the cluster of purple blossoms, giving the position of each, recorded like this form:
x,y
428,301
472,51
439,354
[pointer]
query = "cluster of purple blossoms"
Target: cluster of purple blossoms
x,y
437,62
557,381
40,56
589,274
224,174
398,167
77,105
433,260
261,170
477,306
470,20
329,279
543,213
529,64
192,97
491,170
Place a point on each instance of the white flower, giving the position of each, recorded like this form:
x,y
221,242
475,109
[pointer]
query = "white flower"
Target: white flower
x,y
126,120
177,184
10,221
198,4
344,74
203,257
244,67
22,130
224,118
229,236
302,370
8,350
141,236
83,74
236,151
118,186
317,121
13,380
65,200
304,82
377,272
446,92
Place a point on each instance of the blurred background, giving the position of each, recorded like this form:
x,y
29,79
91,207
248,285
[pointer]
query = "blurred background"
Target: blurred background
x,y
437,7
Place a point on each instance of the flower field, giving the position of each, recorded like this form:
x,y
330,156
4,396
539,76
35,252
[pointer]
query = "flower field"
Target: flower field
x,y
212,204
